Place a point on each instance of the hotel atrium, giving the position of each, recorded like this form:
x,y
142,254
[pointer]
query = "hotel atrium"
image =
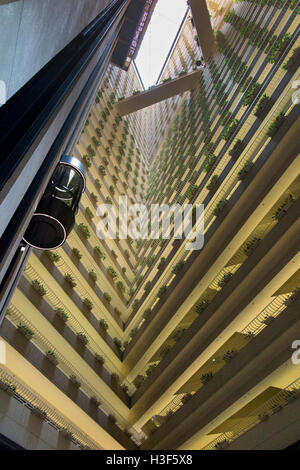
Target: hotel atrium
x,y
116,343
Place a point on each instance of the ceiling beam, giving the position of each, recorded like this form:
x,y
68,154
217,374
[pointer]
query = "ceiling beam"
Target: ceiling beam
x,y
158,93
203,26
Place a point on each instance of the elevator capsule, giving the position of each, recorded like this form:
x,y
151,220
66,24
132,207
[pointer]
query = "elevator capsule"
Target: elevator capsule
x,y
54,217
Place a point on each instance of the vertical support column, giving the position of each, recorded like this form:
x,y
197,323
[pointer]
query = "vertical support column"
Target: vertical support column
x,y
204,29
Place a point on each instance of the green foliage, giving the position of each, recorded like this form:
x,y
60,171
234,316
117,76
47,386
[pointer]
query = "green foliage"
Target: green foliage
x,y
38,287
88,303
82,338
99,252
25,331
70,280
76,253
178,266
276,124
84,230
54,257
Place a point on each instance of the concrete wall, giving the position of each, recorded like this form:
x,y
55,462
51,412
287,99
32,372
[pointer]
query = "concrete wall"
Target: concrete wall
x,y
277,433
24,428
33,31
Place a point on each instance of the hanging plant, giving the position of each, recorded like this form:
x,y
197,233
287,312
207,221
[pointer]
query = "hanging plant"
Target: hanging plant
x,y
70,280
245,170
61,313
82,338
84,230
88,303
54,257
25,331
276,124
38,287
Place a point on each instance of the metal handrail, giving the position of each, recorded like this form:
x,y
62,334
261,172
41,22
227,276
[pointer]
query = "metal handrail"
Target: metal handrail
x,y
260,414
32,400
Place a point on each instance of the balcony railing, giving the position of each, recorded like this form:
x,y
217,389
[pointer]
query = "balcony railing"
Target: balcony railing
x,y
31,400
260,414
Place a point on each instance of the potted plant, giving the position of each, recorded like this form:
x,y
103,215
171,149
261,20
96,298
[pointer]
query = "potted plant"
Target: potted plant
x,y
135,304
263,107
222,445
76,253
88,303
25,331
214,183
75,381
209,162
147,313
82,338
52,357
148,286
86,160
118,343
133,332
38,287
283,208
99,359
178,267
276,124
293,62
94,400
89,213
245,170
54,257
61,313
107,297
237,149
205,378
84,230
251,246
115,378
125,388
99,253
161,291
112,419
293,297
70,280
229,355
103,325
230,129
201,306
92,275
220,206
102,170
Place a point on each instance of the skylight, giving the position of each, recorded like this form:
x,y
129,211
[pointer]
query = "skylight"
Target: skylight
x,y
158,39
